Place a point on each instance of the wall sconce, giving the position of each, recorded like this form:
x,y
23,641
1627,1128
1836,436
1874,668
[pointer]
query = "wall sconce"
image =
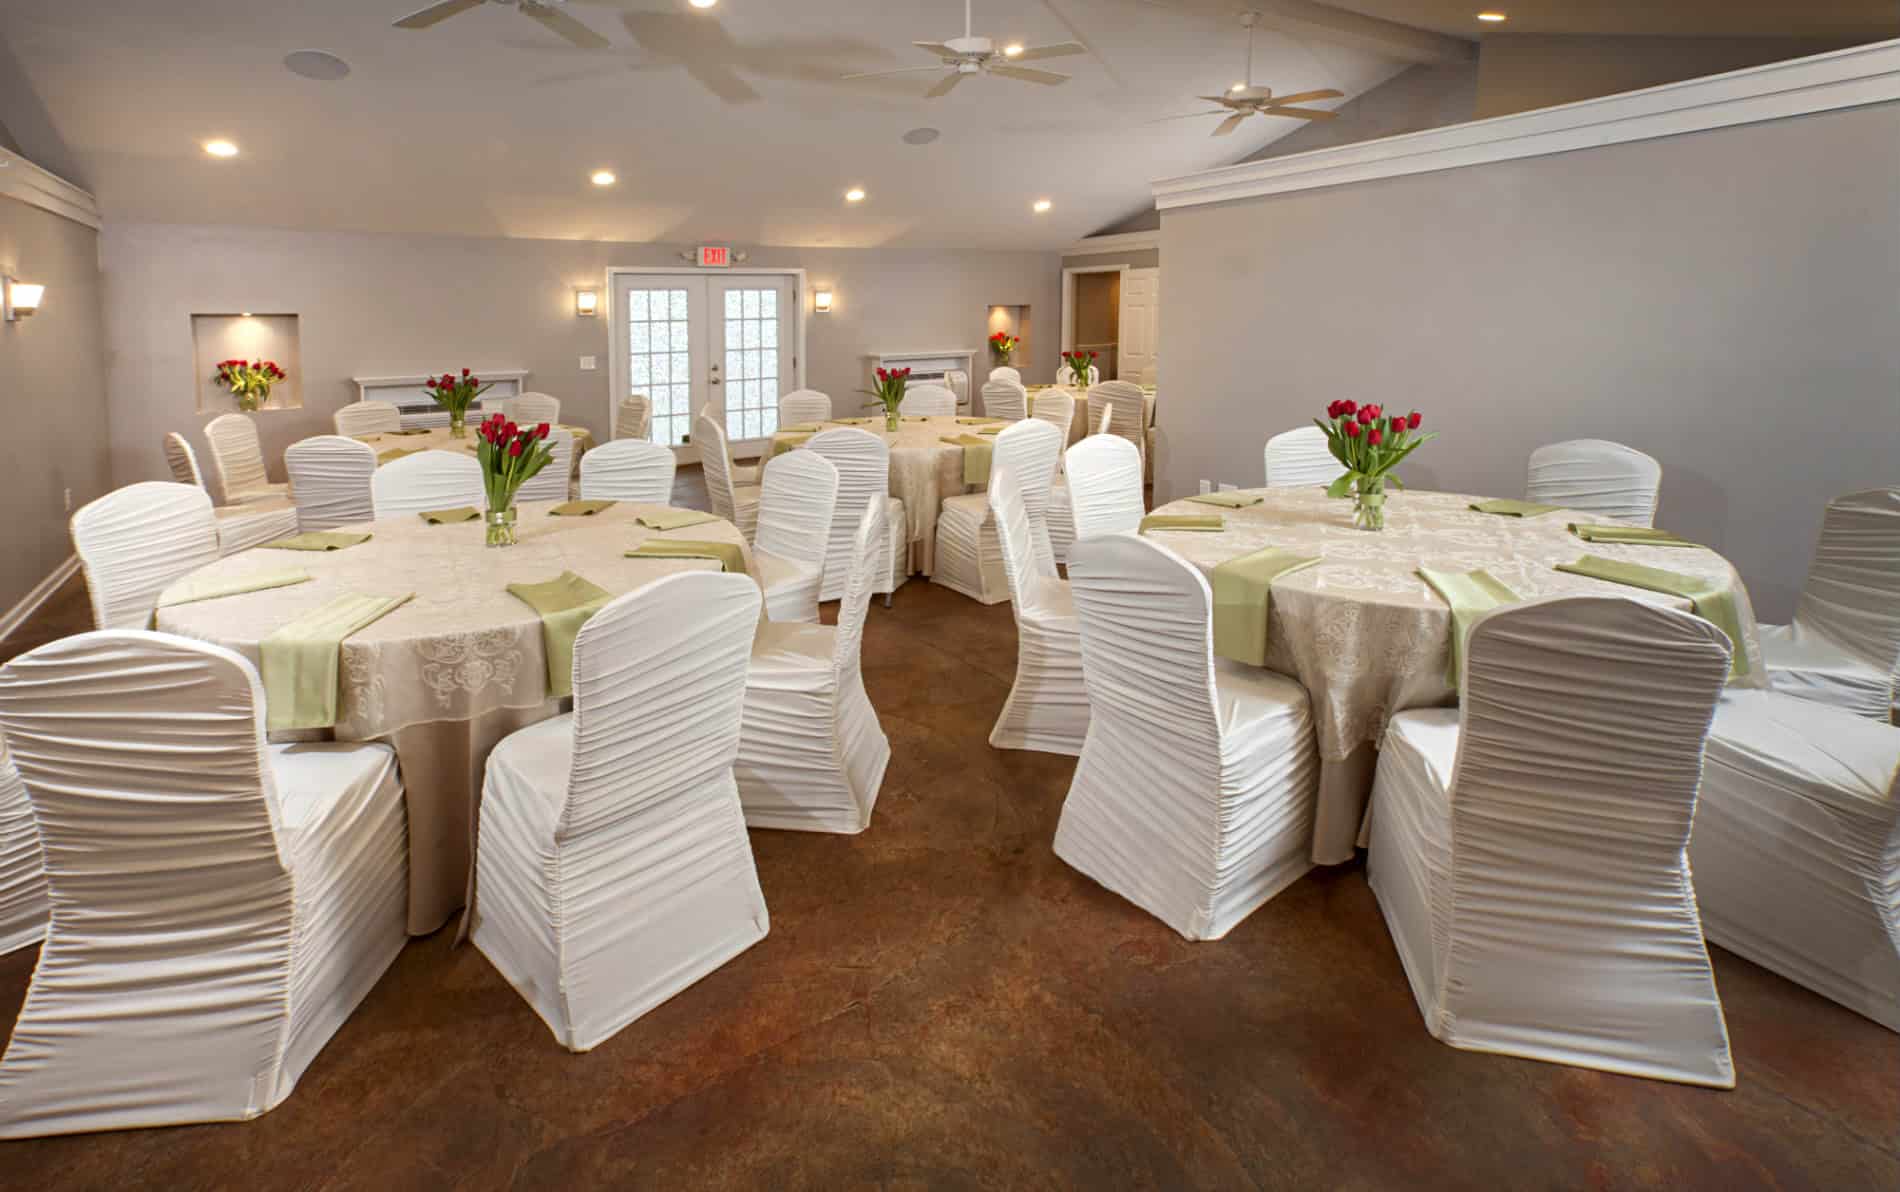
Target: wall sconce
x,y
586,303
18,299
821,302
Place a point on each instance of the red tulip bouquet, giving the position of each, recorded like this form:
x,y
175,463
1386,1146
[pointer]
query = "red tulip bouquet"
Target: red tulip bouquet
x,y
1003,345
249,381
456,394
1369,444
510,455
1078,365
891,383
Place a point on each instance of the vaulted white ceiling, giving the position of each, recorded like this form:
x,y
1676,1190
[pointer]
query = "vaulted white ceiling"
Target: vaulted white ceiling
x,y
723,124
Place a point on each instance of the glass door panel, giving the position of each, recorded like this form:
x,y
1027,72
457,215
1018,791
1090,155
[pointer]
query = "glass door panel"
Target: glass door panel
x,y
753,362
662,348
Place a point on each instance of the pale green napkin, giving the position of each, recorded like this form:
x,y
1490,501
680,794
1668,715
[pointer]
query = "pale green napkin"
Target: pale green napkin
x,y
1228,500
854,421
729,556
1711,600
389,457
321,540
676,519
1627,535
417,431
1470,594
190,590
977,454
788,442
981,422
449,517
803,428
565,603
300,660
1509,507
1209,524
579,508
991,430
1242,591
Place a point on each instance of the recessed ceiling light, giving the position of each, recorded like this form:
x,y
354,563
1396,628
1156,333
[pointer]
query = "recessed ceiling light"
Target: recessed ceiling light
x,y
1043,205
316,64
854,195
702,3
1493,17
221,149
1012,49
604,178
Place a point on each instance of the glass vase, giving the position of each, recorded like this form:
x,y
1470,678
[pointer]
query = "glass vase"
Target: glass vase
x,y
890,419
1368,503
501,527
458,427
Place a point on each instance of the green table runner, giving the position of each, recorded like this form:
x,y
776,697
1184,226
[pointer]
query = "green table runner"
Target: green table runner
x,y
1470,594
579,508
190,590
1507,507
1242,594
977,454
1207,524
565,603
676,519
449,517
728,555
1711,600
300,660
1228,500
783,443
802,428
390,457
321,540
1627,535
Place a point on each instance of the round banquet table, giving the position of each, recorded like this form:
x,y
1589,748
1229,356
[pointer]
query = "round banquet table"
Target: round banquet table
x,y
437,439
447,675
1367,638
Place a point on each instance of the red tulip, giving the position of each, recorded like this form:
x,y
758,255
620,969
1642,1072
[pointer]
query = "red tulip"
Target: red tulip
x,y
1377,411
1352,430
1348,407
465,372
1365,415
515,449
1414,420
1398,425
1375,436
541,432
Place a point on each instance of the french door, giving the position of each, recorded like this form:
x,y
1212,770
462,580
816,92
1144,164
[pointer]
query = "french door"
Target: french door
x,y
689,340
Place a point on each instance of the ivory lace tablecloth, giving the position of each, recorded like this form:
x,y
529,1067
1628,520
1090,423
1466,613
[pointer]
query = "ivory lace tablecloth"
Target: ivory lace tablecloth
x,y
449,674
1367,638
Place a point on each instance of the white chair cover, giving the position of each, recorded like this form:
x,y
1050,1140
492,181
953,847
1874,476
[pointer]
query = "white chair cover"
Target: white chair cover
x,y
796,504
1597,476
634,420
928,400
969,554
1300,457
1529,858
552,482
864,478
1048,705
425,482
1120,408
531,409
1004,372
240,527
812,754
612,868
1104,486
629,470
738,505
238,460
803,405
1844,645
1057,408
330,479
221,905
135,541
183,461
22,876
1194,795
367,418
1005,399
1796,850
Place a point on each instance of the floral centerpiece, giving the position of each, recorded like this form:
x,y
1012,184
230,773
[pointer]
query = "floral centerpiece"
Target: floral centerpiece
x,y
510,455
1369,444
1077,365
250,381
1003,345
891,383
456,394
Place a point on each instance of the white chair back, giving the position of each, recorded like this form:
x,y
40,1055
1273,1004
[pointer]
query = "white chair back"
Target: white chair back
x,y
715,460
803,405
1004,372
135,541
1147,646
551,482
426,481
797,498
864,479
1030,449
1120,408
367,418
1005,399
182,460
1015,535
330,481
236,456
1597,476
1852,594
869,559
531,409
628,470
928,400
1057,408
634,419
1104,486
1300,457
22,874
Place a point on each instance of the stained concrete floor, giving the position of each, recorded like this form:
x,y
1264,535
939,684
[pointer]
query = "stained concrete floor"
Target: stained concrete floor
x,y
941,1003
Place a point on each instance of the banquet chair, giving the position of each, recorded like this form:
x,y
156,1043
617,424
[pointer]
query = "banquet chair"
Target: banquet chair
x,y
1005,399
531,409
1596,476
1843,647
330,478
969,554
135,541
628,470
811,753
1528,852
221,905
1057,408
367,418
612,868
796,503
23,906
1004,372
240,527
1796,849
1048,705
425,482
552,482
933,401
1120,408
634,419
738,504
864,479
741,477
1299,458
802,406
239,461
1194,794
1104,486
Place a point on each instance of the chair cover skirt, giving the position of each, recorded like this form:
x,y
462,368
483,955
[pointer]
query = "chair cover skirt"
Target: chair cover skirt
x,y
22,876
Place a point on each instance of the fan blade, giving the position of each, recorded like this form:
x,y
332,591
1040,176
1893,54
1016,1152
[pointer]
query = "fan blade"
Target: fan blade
x,y
885,74
721,82
1230,124
946,87
1060,50
1302,113
1304,96
1189,116
1219,99
565,25
935,47
1047,78
436,12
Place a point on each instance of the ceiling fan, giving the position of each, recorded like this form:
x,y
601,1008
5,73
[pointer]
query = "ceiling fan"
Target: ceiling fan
x,y
1245,99
971,55
548,12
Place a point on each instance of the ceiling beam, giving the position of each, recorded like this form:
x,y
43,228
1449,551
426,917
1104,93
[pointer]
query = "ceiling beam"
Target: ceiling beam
x,y
1323,22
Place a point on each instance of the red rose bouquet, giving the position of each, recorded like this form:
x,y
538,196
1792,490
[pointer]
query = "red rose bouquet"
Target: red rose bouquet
x,y
249,381
456,394
509,455
1369,444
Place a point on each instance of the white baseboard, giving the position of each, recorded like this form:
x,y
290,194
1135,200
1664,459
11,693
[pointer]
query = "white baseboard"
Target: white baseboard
x,y
30,603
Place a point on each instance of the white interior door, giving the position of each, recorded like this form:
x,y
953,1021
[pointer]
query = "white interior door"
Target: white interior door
x,y
753,358
660,334
1140,322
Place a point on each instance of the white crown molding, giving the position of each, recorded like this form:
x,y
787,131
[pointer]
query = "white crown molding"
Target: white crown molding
x,y
1121,242
21,179
1826,82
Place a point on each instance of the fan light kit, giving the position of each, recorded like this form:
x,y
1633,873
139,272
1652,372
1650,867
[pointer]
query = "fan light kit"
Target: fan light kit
x,y
1493,17
550,13
1244,99
854,195
702,3
604,178
221,149
971,55
1043,205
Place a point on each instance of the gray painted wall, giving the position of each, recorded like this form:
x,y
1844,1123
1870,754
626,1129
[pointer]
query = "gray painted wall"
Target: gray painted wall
x,y
1723,300
1419,98
1521,71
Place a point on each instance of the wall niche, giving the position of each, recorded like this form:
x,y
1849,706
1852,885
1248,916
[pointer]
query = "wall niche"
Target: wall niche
x,y
1015,320
217,338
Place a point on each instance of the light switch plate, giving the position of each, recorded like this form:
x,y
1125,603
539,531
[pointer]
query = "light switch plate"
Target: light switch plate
x,y
1207,486
587,364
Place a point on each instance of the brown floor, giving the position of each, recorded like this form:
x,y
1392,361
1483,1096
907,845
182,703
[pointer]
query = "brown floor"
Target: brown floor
x,y
943,1003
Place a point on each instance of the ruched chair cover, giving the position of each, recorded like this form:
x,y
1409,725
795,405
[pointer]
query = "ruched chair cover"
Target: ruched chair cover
x,y
796,504
1597,476
1048,705
1057,408
221,905
612,868
1005,399
135,541
552,482
802,406
425,482
1004,372
1844,645
1120,408
1300,457
240,527
22,876
864,479
812,754
529,409
1104,486
1529,855
330,479
634,419
1194,794
738,504
969,554
239,460
1796,849
367,418
928,400
183,461
628,470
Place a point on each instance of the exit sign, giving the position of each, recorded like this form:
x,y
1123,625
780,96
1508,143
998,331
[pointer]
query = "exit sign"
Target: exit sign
x,y
714,256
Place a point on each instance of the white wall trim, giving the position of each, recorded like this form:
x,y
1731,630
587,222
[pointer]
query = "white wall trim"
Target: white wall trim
x,y
42,591
1120,242
1825,82
21,179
